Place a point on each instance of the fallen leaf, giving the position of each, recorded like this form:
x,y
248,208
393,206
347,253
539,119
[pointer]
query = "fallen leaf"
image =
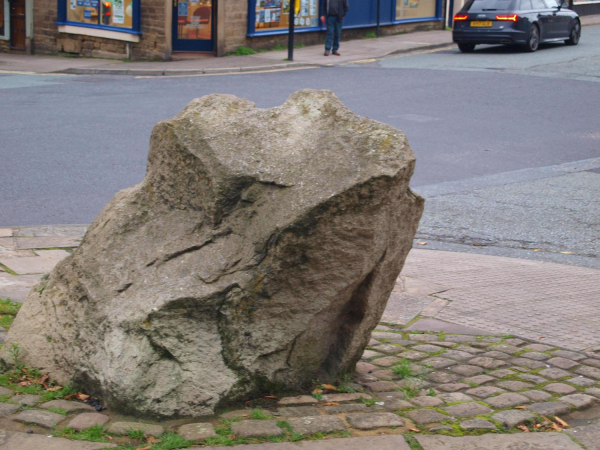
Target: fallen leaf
x,y
331,404
317,391
329,387
81,396
416,430
556,427
536,250
524,428
45,378
567,253
153,440
271,397
245,415
538,425
148,447
54,389
520,407
562,422
422,243
541,337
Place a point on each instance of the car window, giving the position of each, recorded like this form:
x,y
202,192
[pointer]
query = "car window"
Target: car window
x,y
538,4
526,5
551,3
489,5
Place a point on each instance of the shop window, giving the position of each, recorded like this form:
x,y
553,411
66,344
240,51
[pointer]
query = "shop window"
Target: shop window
x,y
415,9
272,15
121,15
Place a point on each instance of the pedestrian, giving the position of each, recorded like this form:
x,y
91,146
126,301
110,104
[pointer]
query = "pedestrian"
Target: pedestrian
x,y
333,12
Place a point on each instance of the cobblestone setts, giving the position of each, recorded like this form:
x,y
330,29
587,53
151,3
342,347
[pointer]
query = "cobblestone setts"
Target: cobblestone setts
x,y
469,383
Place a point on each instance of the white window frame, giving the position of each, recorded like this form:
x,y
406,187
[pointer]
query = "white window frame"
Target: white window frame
x,y
6,35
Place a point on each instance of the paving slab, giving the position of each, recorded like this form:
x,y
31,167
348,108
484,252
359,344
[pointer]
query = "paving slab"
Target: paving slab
x,y
436,325
345,409
125,427
512,418
468,409
197,431
588,435
299,411
10,440
16,288
26,400
426,416
44,262
67,405
372,421
579,401
44,419
87,420
550,408
317,424
477,424
389,442
507,400
6,409
256,428
528,441
298,400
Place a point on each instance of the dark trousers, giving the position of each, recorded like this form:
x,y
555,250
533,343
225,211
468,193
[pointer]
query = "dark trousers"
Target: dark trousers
x,y
334,31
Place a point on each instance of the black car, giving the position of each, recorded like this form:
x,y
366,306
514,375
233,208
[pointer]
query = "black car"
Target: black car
x,y
526,22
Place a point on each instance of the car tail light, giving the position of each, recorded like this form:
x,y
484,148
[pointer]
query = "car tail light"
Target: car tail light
x,y
458,17
512,18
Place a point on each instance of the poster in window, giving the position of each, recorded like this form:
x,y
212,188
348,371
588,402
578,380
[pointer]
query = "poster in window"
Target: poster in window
x,y
118,12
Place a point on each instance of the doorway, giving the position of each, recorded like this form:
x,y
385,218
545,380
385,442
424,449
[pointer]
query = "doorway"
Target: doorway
x,y
17,24
193,25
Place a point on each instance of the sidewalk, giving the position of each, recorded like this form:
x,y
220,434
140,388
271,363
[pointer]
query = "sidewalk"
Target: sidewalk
x,y
359,50
497,343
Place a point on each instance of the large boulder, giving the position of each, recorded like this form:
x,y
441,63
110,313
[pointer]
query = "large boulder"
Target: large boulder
x,y
258,253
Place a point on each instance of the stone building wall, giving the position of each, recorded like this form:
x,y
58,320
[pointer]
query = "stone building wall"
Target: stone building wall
x,y
4,46
47,39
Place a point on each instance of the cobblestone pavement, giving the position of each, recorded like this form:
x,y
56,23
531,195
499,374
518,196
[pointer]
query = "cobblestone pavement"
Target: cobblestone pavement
x,y
436,388
443,369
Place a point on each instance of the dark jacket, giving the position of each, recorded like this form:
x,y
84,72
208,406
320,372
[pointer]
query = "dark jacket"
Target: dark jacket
x,y
334,8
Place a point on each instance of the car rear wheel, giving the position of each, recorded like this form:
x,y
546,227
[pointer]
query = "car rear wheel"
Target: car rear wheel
x,y
575,34
533,41
466,48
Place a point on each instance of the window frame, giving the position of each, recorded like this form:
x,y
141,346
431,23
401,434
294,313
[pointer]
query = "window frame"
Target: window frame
x,y
6,20
135,28
252,32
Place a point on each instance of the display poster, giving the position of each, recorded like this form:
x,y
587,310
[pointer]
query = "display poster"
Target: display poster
x,y
182,9
267,15
73,4
118,12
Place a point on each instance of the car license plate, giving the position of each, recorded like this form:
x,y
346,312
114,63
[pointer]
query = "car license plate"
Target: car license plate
x,y
481,23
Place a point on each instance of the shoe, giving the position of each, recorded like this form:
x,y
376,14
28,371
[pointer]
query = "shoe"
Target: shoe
x,y
326,53
336,53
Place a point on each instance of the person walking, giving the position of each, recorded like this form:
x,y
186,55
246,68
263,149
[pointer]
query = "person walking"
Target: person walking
x,y
333,12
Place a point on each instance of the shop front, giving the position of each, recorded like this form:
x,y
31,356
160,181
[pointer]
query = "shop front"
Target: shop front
x,y
270,17
161,29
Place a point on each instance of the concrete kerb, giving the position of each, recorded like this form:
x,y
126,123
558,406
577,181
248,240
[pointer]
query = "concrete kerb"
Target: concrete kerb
x,y
225,70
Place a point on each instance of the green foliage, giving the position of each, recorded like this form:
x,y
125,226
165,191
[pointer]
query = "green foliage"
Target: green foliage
x,y
53,395
318,395
431,392
369,35
15,353
410,392
9,307
244,51
94,434
171,441
278,46
299,45
404,369
58,411
259,414
412,442
368,401
136,434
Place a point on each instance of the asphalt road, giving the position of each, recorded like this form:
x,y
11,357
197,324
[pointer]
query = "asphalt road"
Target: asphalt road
x,y
491,128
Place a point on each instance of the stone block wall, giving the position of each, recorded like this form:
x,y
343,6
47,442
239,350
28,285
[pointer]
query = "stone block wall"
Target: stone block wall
x,y
152,45
4,46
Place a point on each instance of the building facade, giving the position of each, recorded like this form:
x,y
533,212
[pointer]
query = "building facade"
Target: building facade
x,y
157,29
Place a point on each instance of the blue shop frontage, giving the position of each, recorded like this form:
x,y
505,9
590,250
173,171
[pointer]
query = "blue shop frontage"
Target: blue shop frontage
x,y
270,19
